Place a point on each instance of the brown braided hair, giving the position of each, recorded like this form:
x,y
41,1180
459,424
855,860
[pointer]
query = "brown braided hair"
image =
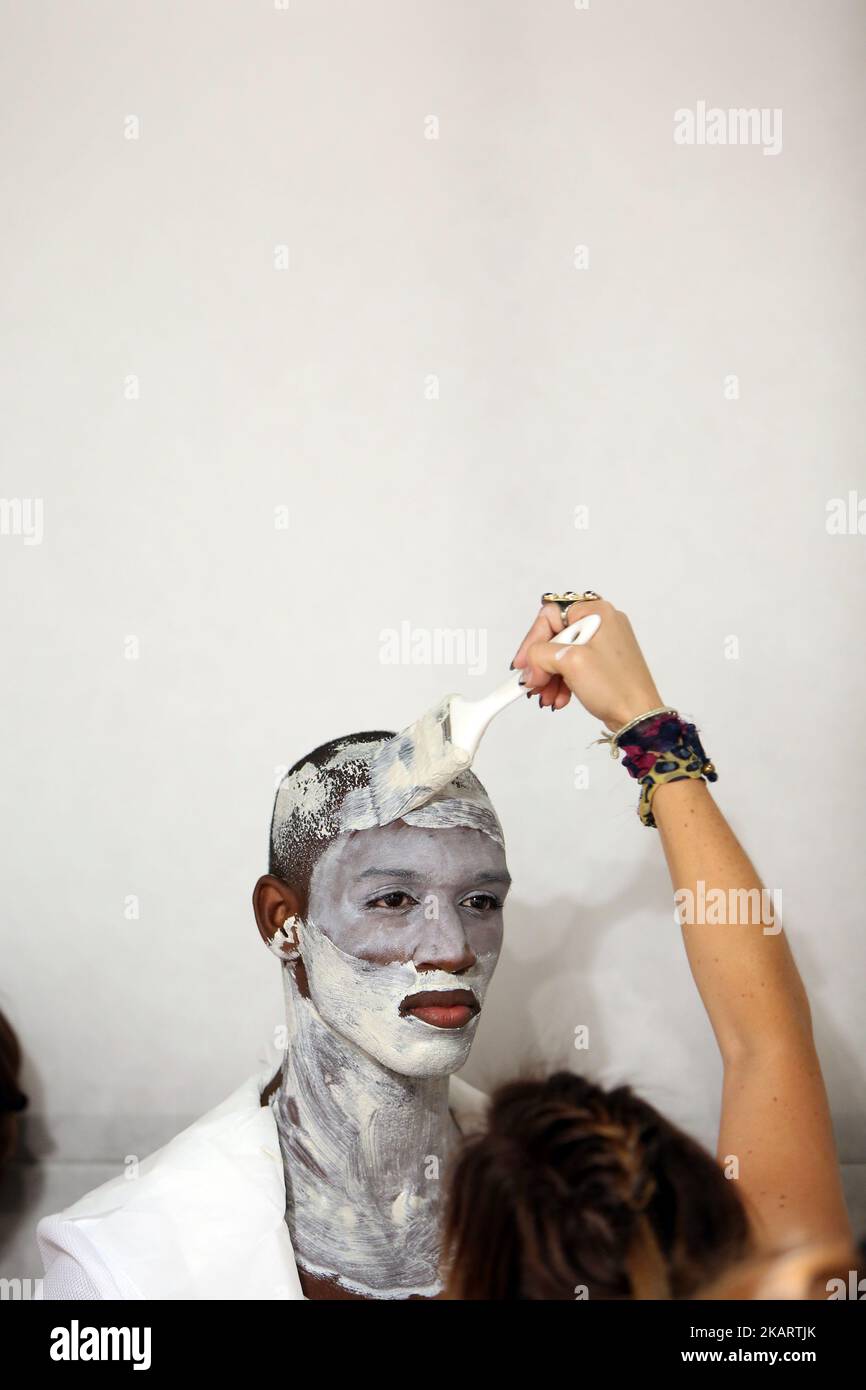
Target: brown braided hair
x,y
576,1191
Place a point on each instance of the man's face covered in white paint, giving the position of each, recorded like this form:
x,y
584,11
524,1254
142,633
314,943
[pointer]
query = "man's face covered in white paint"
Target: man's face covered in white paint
x,y
402,934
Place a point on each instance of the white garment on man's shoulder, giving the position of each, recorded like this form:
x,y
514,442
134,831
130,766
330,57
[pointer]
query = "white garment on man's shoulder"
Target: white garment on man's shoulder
x,y
203,1218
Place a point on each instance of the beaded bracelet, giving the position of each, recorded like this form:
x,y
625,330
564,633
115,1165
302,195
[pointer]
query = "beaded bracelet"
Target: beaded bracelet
x,y
660,747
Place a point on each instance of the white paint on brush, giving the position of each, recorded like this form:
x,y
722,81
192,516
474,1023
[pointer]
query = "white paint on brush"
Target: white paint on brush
x,y
414,765
459,799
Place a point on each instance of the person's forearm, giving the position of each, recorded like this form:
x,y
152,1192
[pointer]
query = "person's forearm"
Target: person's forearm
x,y
743,969
790,1183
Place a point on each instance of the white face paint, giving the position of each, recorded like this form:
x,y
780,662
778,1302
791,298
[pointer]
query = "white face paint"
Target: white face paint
x,y
361,1000
393,913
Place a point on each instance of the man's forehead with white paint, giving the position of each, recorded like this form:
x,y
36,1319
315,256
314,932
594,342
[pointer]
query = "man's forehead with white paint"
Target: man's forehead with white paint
x,y
318,801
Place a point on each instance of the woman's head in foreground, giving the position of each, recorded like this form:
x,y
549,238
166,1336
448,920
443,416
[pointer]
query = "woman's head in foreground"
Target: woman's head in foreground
x,y
578,1192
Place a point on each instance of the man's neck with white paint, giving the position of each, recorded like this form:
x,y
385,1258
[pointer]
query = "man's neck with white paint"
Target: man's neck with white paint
x,y
365,1152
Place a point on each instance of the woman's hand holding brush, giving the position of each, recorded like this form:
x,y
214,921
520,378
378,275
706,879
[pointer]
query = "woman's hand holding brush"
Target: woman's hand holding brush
x,y
609,675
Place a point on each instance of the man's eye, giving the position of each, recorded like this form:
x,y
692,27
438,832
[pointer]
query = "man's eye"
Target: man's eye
x,y
482,902
396,899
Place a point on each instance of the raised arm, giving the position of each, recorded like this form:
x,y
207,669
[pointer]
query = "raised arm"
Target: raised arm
x,y
775,1119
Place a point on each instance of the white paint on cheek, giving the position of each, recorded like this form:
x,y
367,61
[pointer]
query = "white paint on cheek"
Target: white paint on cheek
x,y
361,1001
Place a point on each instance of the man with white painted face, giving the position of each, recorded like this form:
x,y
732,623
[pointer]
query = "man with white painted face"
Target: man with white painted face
x,y
325,1180
388,938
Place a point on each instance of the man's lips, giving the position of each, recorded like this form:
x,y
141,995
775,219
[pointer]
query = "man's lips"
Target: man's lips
x,y
442,1008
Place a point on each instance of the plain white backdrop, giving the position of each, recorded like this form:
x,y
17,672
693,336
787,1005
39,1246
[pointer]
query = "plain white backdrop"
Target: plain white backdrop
x,y
284,294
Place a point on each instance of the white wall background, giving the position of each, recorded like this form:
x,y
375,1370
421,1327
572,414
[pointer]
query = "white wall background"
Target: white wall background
x,y
306,388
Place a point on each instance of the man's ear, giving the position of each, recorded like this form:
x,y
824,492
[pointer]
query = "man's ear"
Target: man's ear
x,y
277,913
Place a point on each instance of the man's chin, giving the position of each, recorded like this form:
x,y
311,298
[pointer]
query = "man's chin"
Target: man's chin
x,y
427,1051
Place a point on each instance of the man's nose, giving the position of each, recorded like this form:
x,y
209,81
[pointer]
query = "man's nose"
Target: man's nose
x,y
443,945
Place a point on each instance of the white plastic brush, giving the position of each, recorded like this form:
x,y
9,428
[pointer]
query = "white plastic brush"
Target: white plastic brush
x,y
416,764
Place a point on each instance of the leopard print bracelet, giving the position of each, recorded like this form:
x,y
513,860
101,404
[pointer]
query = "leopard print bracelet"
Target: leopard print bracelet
x,y
659,748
